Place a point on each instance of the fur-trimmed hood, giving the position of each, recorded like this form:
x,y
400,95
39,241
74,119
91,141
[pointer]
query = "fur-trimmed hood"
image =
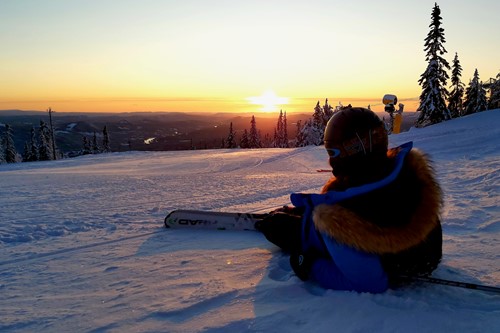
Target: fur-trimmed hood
x,y
388,220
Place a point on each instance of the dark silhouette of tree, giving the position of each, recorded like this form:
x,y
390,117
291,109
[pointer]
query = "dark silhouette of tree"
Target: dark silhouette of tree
x,y
30,152
254,135
95,146
105,140
9,152
86,149
45,144
244,142
455,101
475,100
231,138
280,132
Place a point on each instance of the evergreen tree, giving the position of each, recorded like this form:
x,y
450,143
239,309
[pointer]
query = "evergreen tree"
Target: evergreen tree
x,y
231,138
455,101
95,146
285,131
33,145
433,81
86,146
313,130
244,142
328,112
2,152
105,140
26,152
318,116
254,136
280,132
30,153
494,100
45,145
299,138
475,100
9,153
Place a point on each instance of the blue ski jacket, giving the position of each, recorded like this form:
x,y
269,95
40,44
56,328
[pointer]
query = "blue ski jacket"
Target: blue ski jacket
x,y
356,244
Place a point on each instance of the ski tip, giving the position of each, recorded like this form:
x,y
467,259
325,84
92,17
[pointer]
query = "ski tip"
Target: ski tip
x,y
166,220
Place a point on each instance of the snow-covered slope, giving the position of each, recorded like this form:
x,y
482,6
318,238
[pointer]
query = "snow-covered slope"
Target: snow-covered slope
x,y
83,248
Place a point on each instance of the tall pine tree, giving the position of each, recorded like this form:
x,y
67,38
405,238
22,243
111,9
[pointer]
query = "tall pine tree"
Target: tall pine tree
x,y
475,100
105,140
280,132
10,154
45,146
95,146
2,152
30,153
455,101
254,135
433,81
231,138
244,142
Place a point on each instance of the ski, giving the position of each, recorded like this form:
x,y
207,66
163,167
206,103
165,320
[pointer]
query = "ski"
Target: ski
x,y
197,219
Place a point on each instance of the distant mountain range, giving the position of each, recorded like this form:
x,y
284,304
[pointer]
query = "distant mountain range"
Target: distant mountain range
x,y
153,131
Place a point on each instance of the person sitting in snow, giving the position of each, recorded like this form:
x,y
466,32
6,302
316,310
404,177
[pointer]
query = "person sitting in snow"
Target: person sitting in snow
x,y
376,220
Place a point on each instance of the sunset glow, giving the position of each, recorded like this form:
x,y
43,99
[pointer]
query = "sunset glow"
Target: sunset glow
x,y
210,56
269,101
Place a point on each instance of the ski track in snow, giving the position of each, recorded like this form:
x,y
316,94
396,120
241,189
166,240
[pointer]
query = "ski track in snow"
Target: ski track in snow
x,y
83,246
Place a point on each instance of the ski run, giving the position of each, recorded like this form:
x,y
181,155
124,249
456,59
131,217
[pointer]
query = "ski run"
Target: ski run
x,y
84,248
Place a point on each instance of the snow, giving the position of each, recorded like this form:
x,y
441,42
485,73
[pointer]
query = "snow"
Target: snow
x,y
83,247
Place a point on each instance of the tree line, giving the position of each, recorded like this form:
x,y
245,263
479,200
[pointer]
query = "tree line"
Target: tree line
x,y
41,145
310,132
437,104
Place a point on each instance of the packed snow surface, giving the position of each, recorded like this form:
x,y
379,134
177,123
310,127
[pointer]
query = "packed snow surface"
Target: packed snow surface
x,y
84,249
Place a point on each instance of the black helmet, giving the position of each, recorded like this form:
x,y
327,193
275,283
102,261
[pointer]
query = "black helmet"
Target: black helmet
x,y
355,135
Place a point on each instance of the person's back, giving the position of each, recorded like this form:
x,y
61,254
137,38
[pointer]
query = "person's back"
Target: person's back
x,y
367,241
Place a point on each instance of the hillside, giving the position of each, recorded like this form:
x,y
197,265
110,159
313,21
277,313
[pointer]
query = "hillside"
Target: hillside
x,y
84,248
148,131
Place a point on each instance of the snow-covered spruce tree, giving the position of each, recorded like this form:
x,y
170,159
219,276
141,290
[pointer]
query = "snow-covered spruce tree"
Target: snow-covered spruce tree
x,y
433,81
312,135
494,100
9,153
45,144
254,136
313,131
244,140
105,140
231,138
455,100
475,99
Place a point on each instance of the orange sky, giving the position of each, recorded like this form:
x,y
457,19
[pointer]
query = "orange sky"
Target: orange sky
x,y
195,55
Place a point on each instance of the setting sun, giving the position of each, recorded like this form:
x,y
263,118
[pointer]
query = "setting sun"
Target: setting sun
x,y
269,101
